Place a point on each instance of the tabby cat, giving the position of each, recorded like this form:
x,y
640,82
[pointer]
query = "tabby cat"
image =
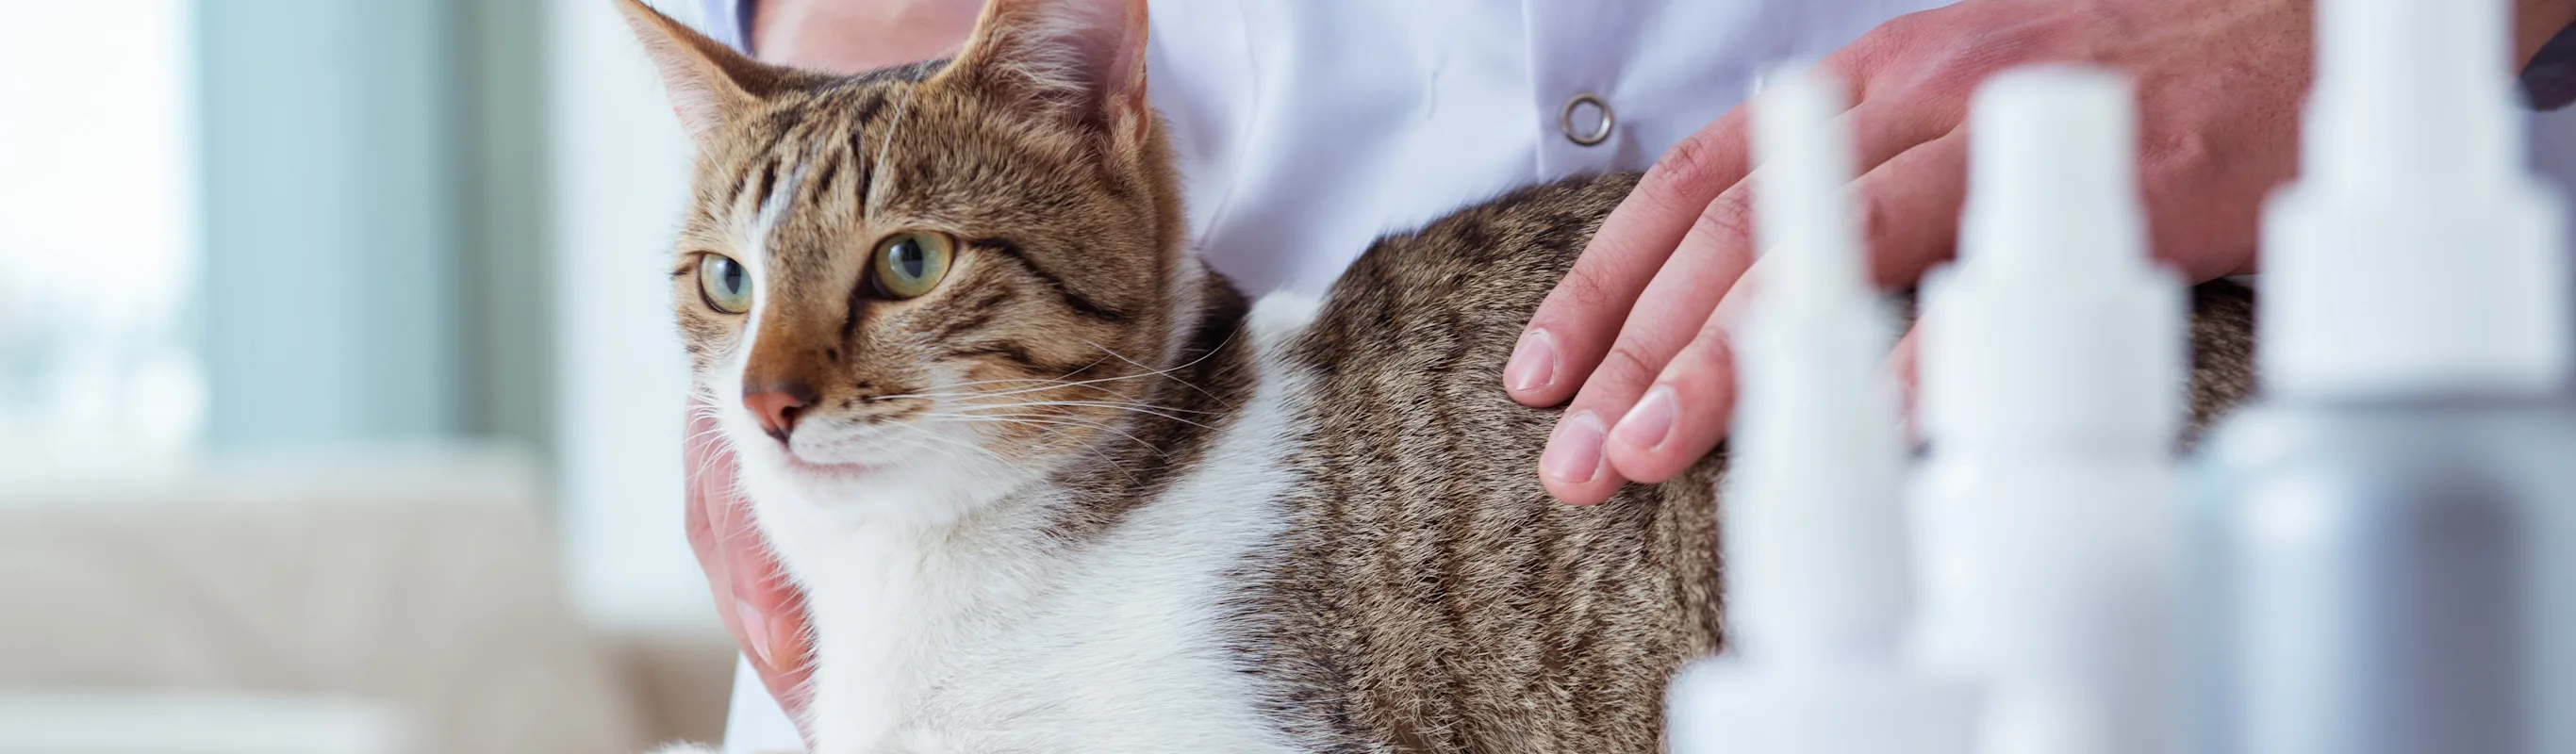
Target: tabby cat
x,y
1050,485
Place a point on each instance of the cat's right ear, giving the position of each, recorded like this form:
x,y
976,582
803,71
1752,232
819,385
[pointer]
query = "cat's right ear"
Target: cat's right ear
x,y
1082,59
709,84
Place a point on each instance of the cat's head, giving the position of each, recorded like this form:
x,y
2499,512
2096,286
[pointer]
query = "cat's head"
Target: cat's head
x,y
910,291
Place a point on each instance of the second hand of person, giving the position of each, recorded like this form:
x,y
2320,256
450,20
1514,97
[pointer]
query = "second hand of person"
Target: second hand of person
x,y
1636,336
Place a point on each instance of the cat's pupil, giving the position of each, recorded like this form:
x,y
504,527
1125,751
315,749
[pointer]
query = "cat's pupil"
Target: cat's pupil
x,y
908,259
733,282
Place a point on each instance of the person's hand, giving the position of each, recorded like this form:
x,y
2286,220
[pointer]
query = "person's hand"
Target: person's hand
x,y
763,611
1637,333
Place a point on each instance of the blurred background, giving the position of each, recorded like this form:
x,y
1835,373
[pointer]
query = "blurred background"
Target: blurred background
x,y
339,404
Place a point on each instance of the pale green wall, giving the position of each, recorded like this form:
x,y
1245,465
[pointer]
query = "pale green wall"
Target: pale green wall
x,y
373,229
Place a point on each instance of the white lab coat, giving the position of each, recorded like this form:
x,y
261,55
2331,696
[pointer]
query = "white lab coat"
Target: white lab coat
x,y
1307,128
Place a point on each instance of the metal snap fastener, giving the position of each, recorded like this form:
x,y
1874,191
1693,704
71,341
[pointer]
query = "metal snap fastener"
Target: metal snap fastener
x,y
1599,133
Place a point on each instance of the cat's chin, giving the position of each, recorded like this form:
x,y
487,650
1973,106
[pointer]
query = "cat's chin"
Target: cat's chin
x,y
921,489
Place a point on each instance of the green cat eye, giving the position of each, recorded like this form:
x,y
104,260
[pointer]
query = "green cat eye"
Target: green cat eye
x,y
910,264
724,283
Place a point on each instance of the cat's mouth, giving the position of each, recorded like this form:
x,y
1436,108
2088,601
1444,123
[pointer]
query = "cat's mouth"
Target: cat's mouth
x,y
834,471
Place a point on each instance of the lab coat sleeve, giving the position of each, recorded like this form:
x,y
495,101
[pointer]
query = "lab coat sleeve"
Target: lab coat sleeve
x,y
727,21
756,723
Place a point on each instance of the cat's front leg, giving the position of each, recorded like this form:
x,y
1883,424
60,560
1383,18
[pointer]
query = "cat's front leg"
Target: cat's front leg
x,y
856,585
918,741
854,710
905,743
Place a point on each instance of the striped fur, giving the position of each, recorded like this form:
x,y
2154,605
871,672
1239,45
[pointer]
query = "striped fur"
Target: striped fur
x,y
1084,496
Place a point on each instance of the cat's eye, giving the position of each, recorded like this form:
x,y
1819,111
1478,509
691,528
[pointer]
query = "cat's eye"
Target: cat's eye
x,y
724,283
910,264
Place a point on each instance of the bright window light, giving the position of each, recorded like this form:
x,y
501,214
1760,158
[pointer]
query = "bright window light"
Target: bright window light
x,y
97,229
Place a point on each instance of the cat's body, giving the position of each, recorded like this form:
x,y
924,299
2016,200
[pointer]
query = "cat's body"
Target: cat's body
x,y
1272,559
1049,485
1049,622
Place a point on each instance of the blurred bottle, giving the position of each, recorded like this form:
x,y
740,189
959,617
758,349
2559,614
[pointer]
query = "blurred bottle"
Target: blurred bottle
x,y
1818,591
2051,398
2387,531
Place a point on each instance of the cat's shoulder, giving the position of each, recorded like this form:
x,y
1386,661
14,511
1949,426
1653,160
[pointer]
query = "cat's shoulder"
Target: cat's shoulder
x,y
1473,275
1556,218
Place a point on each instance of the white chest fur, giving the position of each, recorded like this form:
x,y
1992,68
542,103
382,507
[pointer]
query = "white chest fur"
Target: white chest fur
x,y
984,637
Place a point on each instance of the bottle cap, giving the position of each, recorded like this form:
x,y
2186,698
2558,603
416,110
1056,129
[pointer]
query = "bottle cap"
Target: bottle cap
x,y
2416,254
2055,328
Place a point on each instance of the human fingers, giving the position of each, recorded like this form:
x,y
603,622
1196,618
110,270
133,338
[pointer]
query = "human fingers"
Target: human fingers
x,y
1684,413
1674,305
1909,210
1905,368
774,627
1573,328
1672,313
1910,207
758,607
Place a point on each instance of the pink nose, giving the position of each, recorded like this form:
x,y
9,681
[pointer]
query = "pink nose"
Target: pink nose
x,y
777,405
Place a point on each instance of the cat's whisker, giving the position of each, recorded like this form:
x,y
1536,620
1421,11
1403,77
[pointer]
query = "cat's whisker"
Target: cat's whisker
x,y
884,178
1049,386
1135,407
1106,459
1034,419
1057,378
918,438
1091,385
1165,372
1144,408
1050,421
704,465
714,437
717,432
1147,372
1112,462
954,443
915,443
1061,382
1211,353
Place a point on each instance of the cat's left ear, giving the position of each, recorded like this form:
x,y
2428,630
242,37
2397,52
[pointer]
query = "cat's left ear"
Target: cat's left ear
x,y
1080,59
709,84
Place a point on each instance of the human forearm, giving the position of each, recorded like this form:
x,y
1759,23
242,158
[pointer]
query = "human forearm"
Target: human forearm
x,y
857,35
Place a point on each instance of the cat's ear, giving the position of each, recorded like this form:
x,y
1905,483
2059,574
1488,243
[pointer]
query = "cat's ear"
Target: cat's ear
x,y
709,84
1083,59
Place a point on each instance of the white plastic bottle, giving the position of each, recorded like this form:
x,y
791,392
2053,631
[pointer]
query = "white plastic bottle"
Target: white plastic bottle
x,y
1818,589
2390,525
2051,394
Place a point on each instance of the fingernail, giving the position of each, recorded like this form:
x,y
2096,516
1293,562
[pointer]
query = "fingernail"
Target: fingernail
x,y
1651,421
1533,363
1574,454
755,630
